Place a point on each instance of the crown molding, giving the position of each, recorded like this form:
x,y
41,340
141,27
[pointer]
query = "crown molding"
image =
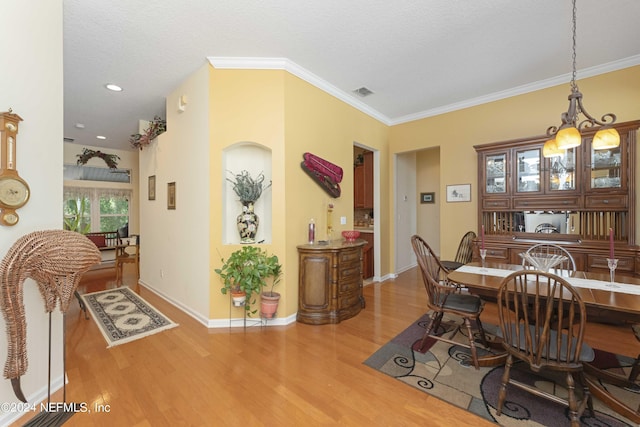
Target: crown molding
x,y
631,61
248,63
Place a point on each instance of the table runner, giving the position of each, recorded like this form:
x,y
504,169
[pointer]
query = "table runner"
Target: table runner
x,y
574,281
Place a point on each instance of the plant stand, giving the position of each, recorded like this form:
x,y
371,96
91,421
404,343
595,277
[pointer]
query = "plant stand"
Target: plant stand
x,y
247,322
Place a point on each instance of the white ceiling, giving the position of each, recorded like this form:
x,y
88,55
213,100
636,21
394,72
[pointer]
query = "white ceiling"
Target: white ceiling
x,y
419,57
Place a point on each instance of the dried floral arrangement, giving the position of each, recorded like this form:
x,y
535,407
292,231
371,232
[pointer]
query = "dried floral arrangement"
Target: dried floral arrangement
x,y
247,188
156,127
110,159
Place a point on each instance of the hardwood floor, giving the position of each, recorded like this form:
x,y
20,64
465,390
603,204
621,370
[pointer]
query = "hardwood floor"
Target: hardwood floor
x,y
276,376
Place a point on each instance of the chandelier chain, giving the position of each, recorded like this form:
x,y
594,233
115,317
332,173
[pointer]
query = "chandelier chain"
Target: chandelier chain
x,y
574,86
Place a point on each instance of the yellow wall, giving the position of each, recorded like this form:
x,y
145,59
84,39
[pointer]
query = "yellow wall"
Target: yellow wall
x,y
520,116
289,116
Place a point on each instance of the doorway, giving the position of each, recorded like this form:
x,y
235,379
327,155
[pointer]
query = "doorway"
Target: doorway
x,y
365,191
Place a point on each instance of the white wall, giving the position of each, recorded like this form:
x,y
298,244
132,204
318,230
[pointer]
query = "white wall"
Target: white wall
x,y
31,84
174,254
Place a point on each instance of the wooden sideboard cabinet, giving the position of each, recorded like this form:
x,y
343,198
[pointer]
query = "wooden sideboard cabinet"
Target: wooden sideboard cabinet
x,y
571,200
330,282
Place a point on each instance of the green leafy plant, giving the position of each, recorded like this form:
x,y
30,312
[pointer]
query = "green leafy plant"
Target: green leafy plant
x,y
247,188
74,218
249,269
156,127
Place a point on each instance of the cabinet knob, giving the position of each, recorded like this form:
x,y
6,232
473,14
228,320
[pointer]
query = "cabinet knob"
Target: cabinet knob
x,y
605,201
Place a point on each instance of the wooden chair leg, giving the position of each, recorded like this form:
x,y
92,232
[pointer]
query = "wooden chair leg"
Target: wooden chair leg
x,y
472,344
434,324
573,401
502,395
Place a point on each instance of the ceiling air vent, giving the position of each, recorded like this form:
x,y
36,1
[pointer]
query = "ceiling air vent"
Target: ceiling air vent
x,y
68,139
362,92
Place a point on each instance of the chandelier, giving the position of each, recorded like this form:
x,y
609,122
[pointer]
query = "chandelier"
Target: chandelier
x,y
568,134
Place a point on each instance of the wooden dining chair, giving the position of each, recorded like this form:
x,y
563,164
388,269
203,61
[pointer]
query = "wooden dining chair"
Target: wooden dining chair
x,y
545,249
444,297
127,254
464,254
548,339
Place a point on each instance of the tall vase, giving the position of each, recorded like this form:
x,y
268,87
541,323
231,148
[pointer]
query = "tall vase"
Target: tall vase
x,y
247,223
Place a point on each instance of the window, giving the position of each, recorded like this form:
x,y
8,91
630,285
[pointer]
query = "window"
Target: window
x,y
95,209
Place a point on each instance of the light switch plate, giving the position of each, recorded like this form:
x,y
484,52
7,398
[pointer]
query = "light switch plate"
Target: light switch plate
x,y
343,220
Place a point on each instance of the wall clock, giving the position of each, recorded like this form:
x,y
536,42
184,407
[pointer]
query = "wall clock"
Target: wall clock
x,y
14,191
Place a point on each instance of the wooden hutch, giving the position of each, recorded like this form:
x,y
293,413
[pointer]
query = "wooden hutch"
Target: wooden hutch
x,y
572,200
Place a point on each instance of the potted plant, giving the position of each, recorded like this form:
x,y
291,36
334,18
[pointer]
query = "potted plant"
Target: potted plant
x,y
247,270
269,300
248,190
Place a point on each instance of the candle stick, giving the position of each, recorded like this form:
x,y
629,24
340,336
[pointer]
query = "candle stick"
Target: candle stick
x,y
611,243
482,236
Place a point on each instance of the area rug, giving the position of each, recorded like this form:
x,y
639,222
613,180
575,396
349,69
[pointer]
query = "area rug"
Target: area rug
x,y
123,316
446,371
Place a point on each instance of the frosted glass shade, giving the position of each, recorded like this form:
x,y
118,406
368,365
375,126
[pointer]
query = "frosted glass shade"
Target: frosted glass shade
x,y
606,138
550,149
568,137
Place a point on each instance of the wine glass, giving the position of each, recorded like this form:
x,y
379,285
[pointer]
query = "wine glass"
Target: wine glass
x,y
613,264
483,255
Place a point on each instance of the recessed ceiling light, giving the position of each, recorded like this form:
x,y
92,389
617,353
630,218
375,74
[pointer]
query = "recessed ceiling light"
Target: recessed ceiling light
x,y
101,137
79,126
113,87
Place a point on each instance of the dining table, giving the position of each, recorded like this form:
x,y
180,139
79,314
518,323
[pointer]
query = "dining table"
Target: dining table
x,y
615,301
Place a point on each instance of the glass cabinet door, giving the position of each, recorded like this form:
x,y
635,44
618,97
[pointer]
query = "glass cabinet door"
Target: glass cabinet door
x,y
562,171
528,170
496,173
606,169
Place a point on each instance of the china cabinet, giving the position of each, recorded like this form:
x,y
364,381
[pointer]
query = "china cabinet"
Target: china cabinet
x,y
572,200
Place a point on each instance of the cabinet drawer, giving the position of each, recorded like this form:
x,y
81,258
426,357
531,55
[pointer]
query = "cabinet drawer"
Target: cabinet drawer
x,y
498,253
350,271
348,299
606,201
348,286
570,202
349,256
600,262
491,204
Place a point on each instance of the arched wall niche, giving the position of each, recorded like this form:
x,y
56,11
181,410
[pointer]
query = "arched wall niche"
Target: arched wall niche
x,y
254,158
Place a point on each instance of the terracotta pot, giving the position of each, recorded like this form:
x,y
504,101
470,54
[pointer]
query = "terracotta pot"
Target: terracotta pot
x,y
238,298
269,304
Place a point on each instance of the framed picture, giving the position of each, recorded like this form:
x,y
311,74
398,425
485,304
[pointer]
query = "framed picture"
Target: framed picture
x,y
152,187
459,193
171,195
427,197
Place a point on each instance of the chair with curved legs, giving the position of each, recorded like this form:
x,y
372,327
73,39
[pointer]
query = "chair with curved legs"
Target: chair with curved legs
x,y
548,339
443,298
464,253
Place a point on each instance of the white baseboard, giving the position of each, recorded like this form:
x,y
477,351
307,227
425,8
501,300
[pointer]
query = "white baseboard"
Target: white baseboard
x,y
220,323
